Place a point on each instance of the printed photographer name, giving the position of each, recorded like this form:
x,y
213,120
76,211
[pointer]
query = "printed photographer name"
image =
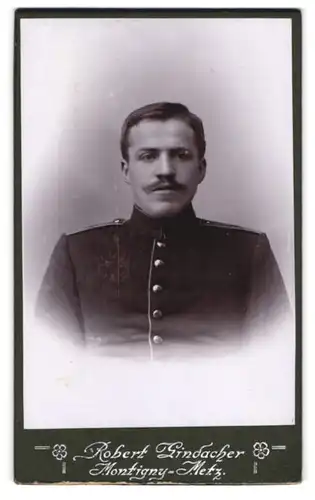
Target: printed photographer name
x,y
193,462
177,450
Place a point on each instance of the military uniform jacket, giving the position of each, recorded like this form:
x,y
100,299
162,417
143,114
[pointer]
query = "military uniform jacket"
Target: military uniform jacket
x,y
143,280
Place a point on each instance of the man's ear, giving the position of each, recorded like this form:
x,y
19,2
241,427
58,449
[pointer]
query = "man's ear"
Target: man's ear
x,y
125,170
202,169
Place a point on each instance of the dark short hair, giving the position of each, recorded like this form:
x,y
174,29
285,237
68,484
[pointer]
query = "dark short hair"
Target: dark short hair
x,y
163,111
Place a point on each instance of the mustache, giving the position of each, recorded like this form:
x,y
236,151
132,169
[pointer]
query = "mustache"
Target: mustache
x,y
159,186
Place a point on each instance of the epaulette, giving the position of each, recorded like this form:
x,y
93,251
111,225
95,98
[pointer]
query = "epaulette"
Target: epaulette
x,y
227,227
115,222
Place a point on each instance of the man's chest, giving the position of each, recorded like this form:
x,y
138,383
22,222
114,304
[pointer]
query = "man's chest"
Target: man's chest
x,y
171,275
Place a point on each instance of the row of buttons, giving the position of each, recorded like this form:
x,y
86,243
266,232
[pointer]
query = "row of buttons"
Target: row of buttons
x,y
157,313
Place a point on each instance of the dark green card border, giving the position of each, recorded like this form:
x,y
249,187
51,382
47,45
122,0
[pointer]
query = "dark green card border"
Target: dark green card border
x,y
31,465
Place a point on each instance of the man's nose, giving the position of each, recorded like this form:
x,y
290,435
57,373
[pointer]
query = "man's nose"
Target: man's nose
x,y
165,166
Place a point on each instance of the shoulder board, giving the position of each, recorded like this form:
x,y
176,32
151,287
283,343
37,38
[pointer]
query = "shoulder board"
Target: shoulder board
x,y
227,227
115,222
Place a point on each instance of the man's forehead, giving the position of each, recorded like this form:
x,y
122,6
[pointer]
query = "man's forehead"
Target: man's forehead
x,y
158,133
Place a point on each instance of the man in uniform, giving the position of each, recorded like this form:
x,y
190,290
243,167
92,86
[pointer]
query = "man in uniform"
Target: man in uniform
x,y
163,277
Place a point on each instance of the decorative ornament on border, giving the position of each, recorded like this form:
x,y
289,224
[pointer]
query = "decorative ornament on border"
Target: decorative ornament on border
x,y
59,451
261,450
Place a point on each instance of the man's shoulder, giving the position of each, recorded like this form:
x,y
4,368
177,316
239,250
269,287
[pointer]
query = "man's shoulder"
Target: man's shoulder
x,y
228,229
95,229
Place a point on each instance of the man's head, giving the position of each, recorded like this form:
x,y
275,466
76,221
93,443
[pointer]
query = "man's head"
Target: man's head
x,y
163,147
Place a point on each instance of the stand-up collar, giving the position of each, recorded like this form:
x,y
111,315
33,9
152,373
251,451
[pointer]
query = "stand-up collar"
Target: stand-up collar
x,y
139,222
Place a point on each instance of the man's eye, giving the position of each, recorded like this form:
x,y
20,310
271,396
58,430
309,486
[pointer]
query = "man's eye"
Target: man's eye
x,y
147,156
184,155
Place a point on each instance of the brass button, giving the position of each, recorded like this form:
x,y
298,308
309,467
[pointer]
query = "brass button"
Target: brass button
x,y
158,263
156,288
161,244
157,339
157,314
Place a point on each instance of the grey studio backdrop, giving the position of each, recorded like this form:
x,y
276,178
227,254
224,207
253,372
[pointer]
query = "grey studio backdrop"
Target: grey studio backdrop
x,y
79,80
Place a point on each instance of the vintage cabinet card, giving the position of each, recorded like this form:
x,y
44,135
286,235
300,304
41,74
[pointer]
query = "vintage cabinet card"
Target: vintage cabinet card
x,y
157,246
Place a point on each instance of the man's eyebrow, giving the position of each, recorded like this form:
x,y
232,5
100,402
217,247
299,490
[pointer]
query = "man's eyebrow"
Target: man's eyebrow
x,y
178,148
147,149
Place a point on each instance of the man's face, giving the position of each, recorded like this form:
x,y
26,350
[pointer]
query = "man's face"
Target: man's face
x,y
164,168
